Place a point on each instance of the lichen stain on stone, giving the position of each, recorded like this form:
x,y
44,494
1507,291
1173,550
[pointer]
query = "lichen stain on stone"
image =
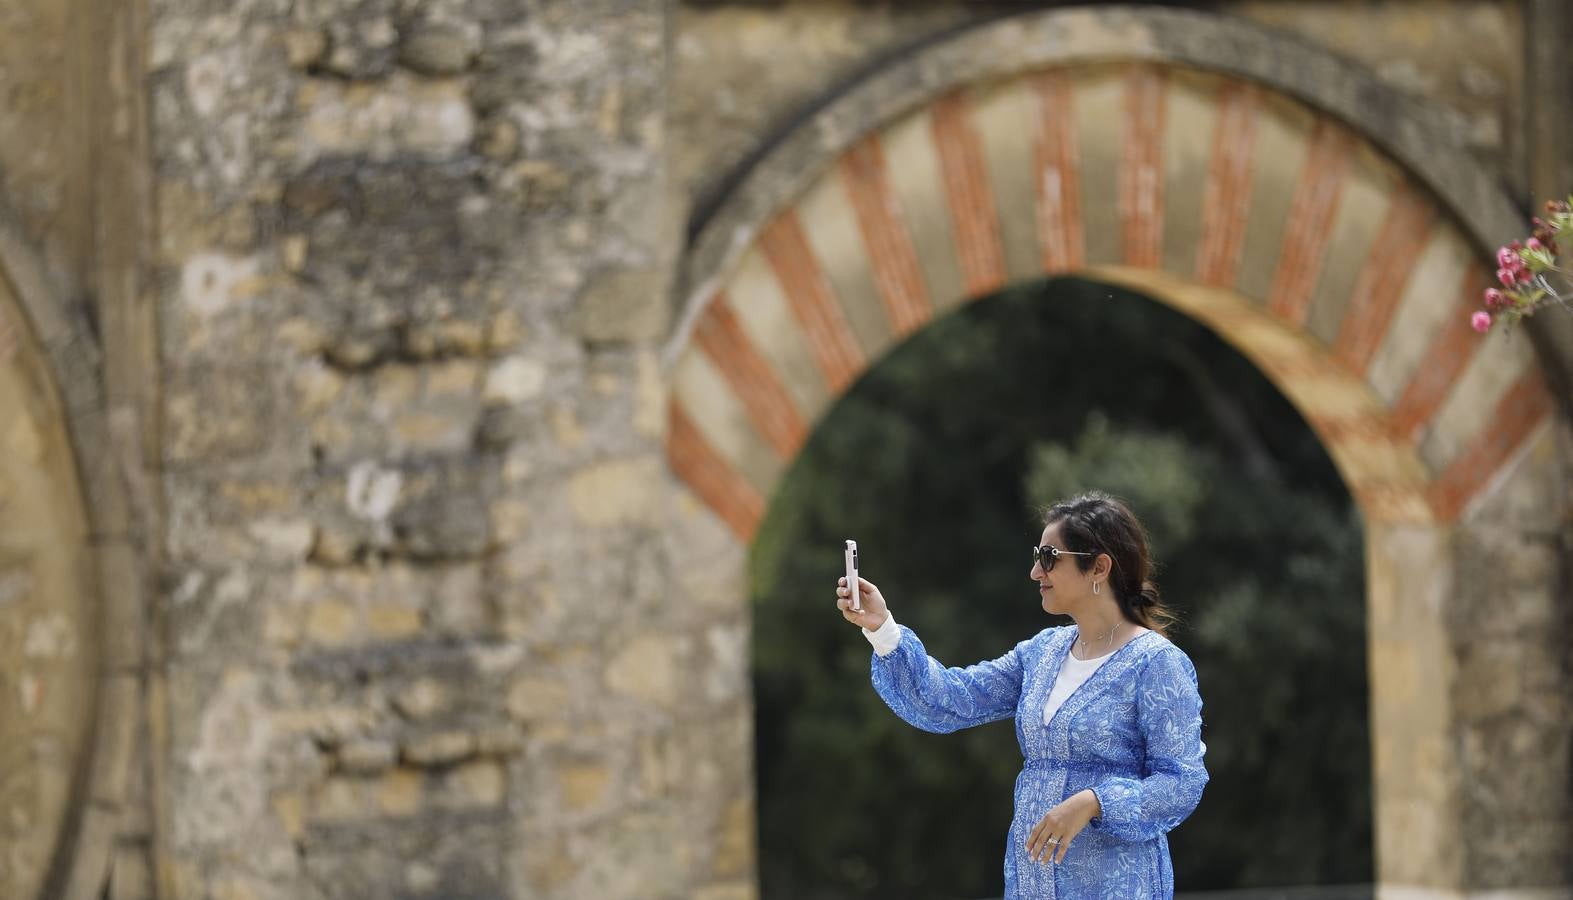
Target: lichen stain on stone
x,y
372,491
211,283
50,637
234,729
401,115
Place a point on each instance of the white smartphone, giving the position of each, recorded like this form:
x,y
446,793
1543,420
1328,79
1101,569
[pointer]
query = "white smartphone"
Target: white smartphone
x,y
852,575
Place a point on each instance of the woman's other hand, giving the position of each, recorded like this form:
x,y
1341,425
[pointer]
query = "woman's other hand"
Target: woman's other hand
x,y
1060,825
874,609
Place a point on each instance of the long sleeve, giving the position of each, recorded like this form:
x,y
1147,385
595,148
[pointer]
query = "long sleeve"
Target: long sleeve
x,y
1169,712
886,638
930,696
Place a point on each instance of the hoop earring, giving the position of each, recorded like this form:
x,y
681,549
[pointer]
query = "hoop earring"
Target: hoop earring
x,y
1095,587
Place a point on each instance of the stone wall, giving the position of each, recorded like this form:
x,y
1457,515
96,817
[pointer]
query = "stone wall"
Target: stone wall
x,y
432,618
413,262
1513,709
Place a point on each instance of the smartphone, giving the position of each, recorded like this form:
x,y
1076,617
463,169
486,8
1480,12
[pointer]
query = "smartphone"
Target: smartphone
x,y
852,576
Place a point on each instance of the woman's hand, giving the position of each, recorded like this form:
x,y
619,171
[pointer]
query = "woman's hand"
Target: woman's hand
x,y
874,609
1060,826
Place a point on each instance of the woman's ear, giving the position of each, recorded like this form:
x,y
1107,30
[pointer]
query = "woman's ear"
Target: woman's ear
x,y
1103,565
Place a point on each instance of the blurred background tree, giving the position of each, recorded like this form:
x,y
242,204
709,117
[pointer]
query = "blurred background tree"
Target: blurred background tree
x,y
936,463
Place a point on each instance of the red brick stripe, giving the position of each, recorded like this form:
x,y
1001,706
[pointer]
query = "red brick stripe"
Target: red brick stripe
x,y
721,338
1059,175
966,176
1520,411
718,484
891,255
1141,167
1227,200
1382,279
1442,363
1310,223
824,324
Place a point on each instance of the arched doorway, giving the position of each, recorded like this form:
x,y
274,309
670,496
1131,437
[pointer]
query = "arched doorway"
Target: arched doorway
x,y
70,651
1266,190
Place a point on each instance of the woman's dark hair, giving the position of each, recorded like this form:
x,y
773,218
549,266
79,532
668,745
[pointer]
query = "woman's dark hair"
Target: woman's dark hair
x,y
1098,523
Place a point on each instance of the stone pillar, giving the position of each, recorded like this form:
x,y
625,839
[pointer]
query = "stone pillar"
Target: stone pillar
x,y
414,268
1528,540
1548,134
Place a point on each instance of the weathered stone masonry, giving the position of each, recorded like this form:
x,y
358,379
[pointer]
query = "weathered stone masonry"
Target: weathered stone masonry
x,y
340,551
414,260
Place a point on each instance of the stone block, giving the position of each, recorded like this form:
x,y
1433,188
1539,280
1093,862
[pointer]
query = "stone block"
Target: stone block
x,y
390,622
421,700
498,741
340,799
533,699
649,668
367,756
515,379
439,49
289,807
620,492
360,48
399,793
478,784
440,749
624,305
583,784
331,623
119,702
283,539
123,640
304,47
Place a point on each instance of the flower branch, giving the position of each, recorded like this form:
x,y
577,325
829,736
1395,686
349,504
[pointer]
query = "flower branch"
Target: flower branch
x,y
1528,272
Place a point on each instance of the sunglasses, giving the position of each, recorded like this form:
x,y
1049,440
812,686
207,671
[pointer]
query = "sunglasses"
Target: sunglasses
x,y
1046,556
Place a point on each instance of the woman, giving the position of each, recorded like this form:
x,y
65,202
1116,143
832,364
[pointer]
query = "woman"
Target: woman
x,y
1107,711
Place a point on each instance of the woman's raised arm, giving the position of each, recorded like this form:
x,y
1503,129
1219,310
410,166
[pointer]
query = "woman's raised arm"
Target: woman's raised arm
x,y
934,698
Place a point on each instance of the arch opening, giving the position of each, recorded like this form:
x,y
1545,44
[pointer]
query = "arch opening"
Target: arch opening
x,y
934,460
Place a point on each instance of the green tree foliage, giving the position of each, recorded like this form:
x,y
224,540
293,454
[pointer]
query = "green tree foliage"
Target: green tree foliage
x,y
935,463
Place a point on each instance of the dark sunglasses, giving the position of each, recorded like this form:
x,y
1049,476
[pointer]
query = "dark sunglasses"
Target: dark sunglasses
x,y
1046,556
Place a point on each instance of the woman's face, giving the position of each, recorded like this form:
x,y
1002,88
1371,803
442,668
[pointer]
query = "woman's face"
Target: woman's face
x,y
1065,587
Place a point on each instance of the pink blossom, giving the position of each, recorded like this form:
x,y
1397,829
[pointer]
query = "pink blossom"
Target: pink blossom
x,y
1506,257
1535,244
1481,322
1524,275
1493,298
1506,276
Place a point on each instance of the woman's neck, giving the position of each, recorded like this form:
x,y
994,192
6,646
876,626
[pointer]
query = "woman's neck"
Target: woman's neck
x,y
1098,632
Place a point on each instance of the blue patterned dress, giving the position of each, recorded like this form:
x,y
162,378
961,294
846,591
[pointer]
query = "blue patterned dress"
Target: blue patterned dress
x,y
1132,733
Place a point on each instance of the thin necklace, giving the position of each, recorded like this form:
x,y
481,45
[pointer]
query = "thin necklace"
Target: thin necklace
x,y
1107,639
